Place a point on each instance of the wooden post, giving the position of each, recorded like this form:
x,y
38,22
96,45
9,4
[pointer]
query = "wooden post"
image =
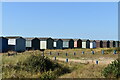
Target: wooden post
x,y
66,54
66,59
102,51
96,61
114,52
58,54
54,58
82,52
50,53
74,53
92,52
43,52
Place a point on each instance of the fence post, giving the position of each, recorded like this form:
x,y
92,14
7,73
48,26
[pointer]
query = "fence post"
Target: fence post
x,y
54,58
66,54
102,51
82,52
58,54
96,61
50,53
74,53
66,59
92,52
114,52
42,54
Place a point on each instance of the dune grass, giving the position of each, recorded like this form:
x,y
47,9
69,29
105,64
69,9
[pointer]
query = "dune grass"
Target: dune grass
x,y
77,70
86,71
108,53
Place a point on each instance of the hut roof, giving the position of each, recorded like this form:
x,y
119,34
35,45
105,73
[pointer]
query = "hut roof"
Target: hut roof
x,y
105,40
92,40
13,37
111,40
65,39
28,38
85,39
55,39
43,38
3,38
75,39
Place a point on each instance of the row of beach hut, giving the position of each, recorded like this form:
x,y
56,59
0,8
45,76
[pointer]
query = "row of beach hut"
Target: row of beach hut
x,y
20,44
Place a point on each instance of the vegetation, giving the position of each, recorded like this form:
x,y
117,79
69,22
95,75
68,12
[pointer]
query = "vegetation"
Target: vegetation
x,y
34,66
38,63
112,70
31,64
108,53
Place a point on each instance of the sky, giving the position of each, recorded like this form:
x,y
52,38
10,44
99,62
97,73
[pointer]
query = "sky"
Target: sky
x,y
84,20
119,21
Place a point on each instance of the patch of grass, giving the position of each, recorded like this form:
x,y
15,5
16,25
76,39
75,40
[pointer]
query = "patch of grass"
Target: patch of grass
x,y
108,53
86,71
112,70
38,63
21,65
33,66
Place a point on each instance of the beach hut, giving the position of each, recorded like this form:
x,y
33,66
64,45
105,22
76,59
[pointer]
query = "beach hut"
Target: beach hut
x,y
77,43
97,43
116,43
111,43
59,44
71,43
50,43
83,43
119,43
43,43
92,44
108,44
101,44
35,44
65,43
29,43
16,43
88,43
46,43
104,43
3,44
55,43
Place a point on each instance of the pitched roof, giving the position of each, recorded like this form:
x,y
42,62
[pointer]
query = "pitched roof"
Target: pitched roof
x,y
85,39
65,39
3,37
29,38
105,40
92,40
13,37
44,38
56,39
75,39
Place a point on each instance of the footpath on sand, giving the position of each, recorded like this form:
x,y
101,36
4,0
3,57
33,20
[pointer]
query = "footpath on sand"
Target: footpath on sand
x,y
88,61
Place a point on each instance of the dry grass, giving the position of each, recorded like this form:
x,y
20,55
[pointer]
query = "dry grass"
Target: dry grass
x,y
87,55
78,70
86,71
